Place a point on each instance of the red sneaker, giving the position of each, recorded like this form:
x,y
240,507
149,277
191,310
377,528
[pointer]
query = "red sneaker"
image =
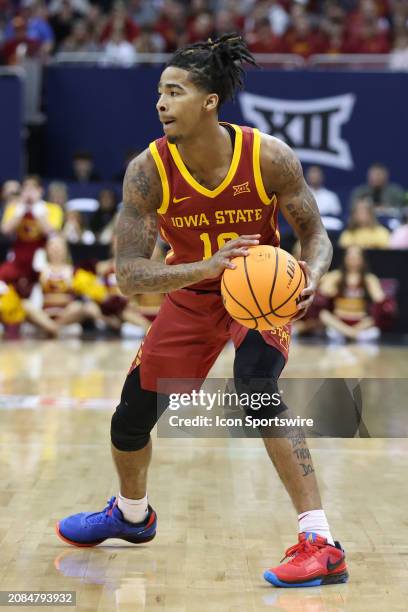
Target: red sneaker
x,y
313,562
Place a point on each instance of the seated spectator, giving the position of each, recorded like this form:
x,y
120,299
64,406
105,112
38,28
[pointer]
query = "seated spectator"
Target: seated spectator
x,y
387,197
105,213
196,7
262,39
118,50
274,12
119,21
399,53
327,201
399,237
302,38
336,39
367,12
19,44
10,193
12,313
172,25
80,39
202,27
371,39
67,299
15,311
363,229
227,20
115,304
398,15
35,18
74,230
58,193
351,289
79,6
63,18
278,17
149,41
83,168
96,20
141,12
30,220
106,235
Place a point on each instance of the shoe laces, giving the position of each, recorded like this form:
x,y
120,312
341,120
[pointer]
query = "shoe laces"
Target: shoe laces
x,y
102,517
301,551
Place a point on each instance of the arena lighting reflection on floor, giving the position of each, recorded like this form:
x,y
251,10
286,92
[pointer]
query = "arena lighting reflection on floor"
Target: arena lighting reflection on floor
x,y
123,578
307,600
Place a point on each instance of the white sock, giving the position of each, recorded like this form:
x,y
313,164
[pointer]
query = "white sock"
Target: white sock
x,y
316,521
134,510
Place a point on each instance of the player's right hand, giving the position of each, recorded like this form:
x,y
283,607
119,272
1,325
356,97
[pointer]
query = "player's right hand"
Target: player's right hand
x,y
238,247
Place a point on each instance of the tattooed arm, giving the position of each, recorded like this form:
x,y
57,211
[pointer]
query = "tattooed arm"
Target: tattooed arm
x,y
283,175
136,232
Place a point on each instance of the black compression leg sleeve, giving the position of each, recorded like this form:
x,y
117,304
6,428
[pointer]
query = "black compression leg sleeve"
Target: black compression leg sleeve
x,y
136,414
257,367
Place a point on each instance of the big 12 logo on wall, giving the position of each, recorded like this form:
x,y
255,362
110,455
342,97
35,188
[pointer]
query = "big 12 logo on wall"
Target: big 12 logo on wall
x,y
311,127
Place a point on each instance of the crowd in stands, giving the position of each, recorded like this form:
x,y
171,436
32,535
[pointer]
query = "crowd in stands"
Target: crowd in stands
x,y
42,224
39,282
124,29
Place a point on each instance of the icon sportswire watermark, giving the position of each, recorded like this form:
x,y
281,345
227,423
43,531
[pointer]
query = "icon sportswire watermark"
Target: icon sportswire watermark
x,y
338,408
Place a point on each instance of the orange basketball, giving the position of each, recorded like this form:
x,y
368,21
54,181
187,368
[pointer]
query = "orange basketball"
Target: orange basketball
x,y
263,290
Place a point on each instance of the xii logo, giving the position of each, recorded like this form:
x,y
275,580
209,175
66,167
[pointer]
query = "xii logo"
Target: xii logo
x,y
311,127
243,188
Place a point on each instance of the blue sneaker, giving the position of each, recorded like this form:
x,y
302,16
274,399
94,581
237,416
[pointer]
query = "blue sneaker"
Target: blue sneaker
x,y
90,529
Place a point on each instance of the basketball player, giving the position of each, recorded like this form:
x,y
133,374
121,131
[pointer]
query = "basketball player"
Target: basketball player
x,y
213,190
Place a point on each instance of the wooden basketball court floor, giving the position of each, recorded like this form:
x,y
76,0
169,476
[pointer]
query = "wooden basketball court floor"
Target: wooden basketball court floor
x,y
223,514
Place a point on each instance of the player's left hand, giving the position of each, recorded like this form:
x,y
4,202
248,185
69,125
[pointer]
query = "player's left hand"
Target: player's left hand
x,y
308,293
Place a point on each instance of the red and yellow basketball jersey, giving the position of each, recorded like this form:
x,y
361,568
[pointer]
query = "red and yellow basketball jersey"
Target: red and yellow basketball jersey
x,y
196,221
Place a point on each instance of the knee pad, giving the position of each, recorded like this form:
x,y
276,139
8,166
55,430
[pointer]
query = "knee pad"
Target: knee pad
x,y
135,416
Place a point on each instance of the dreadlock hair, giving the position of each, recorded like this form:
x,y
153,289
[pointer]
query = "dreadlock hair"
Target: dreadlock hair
x,y
216,65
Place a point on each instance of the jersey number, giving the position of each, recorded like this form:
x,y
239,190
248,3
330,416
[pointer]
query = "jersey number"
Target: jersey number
x,y
221,240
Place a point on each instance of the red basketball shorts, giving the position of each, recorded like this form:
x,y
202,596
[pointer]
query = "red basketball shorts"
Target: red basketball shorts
x,y
188,334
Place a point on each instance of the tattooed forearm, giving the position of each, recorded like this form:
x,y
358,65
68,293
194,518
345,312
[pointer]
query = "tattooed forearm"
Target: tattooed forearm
x,y
136,237
301,211
145,276
317,251
136,233
284,177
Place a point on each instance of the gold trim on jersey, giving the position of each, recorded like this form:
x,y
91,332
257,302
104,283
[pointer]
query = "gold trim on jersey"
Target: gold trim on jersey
x,y
256,158
163,178
210,193
170,252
